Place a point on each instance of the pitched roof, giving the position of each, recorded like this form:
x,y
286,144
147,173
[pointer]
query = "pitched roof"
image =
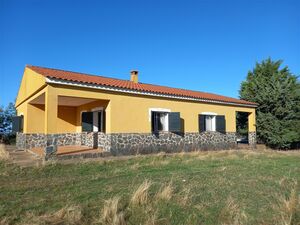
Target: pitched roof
x,y
141,87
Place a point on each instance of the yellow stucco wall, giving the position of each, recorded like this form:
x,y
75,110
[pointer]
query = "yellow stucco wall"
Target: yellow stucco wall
x,y
125,113
31,83
37,123
34,116
130,113
66,121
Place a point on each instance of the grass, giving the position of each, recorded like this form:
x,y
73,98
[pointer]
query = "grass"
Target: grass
x,y
4,155
226,187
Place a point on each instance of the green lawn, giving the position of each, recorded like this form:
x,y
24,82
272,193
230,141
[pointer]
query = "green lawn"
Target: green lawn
x,y
224,187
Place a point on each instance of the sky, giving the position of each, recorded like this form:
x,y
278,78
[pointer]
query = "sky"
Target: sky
x,y
204,45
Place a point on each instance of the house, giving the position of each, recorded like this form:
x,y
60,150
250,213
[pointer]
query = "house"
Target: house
x,y
59,108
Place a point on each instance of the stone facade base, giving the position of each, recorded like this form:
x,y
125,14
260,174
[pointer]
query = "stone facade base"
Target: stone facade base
x,y
133,143
252,139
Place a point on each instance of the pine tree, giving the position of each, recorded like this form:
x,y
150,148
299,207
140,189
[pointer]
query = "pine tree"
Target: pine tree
x,y
277,91
6,118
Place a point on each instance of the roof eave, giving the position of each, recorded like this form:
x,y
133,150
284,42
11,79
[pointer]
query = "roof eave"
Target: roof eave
x,y
131,91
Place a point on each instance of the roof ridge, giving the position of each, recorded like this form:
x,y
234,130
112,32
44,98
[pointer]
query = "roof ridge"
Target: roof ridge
x,y
70,71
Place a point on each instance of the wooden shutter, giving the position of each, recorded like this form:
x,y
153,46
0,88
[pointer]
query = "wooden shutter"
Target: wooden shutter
x,y
154,122
221,124
17,123
201,122
103,129
174,122
87,121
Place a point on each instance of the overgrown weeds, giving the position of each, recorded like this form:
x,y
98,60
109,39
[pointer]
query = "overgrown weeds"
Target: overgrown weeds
x,y
71,215
263,190
111,213
165,192
4,155
141,195
232,214
289,207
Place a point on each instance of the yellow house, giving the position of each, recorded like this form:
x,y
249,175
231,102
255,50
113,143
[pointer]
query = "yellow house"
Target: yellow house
x,y
58,107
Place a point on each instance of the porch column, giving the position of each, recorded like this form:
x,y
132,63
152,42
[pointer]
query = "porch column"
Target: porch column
x,y
252,129
51,102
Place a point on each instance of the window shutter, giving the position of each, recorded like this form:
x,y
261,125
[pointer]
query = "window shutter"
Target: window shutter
x,y
154,122
87,121
201,122
103,121
174,122
17,123
221,124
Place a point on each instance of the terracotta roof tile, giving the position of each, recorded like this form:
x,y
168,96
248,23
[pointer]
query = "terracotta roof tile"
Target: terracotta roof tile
x,y
126,84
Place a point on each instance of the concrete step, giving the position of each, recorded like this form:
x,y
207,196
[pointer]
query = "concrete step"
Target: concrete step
x,y
11,148
22,158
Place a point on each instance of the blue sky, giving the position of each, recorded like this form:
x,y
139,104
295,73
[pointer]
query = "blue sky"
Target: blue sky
x,y
201,45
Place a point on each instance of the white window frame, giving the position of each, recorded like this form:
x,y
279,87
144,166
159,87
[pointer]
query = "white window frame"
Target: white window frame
x,y
95,123
214,128
166,122
81,119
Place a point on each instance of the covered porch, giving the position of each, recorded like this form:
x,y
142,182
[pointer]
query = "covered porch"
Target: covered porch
x,y
60,124
66,115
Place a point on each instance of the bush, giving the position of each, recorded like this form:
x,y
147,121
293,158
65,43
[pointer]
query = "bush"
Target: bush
x,y
8,139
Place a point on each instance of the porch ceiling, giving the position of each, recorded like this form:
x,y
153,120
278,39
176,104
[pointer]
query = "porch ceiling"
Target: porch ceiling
x,y
64,100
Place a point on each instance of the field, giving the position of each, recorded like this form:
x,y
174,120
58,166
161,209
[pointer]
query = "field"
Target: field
x,y
226,187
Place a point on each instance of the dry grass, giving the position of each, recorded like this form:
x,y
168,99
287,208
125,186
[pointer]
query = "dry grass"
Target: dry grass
x,y
71,215
184,200
160,159
4,155
111,213
165,192
141,195
289,207
135,166
4,221
232,214
152,219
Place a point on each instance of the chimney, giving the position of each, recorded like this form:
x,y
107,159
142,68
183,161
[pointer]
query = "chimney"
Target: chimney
x,y
134,76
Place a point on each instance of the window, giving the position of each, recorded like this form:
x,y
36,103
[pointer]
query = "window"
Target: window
x,y
159,121
211,122
17,123
93,121
164,120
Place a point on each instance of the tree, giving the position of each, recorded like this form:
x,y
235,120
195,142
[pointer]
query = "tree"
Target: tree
x,y
277,91
6,118
1,119
6,135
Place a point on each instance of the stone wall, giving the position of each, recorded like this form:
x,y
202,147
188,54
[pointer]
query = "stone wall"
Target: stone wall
x,y
137,143
132,143
104,141
20,140
252,139
89,139
29,141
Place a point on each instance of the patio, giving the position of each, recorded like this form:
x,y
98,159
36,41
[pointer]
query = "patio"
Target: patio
x,y
67,150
